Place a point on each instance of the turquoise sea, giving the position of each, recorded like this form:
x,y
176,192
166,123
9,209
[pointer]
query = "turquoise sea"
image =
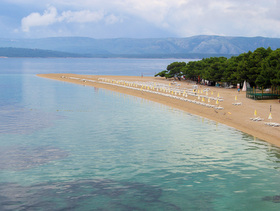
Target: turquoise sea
x,y
70,147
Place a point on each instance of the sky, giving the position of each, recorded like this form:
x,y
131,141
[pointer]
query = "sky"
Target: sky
x,y
138,18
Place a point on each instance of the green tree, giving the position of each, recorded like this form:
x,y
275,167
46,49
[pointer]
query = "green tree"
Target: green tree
x,y
190,70
162,74
213,68
230,72
270,73
255,62
175,69
261,67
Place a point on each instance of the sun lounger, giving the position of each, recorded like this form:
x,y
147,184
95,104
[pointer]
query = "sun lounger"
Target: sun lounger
x,y
273,124
257,119
237,103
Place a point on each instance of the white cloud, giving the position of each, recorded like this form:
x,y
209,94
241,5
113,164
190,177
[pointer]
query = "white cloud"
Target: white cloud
x,y
36,19
83,16
221,17
112,19
179,17
51,16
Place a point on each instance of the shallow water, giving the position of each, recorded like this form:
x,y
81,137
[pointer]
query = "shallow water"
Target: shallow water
x,y
65,146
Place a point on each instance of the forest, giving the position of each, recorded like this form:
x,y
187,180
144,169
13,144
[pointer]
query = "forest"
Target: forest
x,y
260,68
34,53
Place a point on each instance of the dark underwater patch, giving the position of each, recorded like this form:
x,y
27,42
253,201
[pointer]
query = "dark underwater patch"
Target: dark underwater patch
x,y
18,120
83,195
20,158
274,199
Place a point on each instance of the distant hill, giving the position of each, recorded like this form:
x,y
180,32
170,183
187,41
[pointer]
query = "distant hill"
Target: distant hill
x,y
26,52
190,47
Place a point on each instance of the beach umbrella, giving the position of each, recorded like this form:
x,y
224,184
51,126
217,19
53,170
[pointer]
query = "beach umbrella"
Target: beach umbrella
x,y
244,89
270,116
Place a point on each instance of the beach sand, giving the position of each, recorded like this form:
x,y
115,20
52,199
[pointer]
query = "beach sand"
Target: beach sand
x,y
237,116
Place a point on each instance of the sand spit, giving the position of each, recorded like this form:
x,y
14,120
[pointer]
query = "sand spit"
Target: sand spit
x,y
226,106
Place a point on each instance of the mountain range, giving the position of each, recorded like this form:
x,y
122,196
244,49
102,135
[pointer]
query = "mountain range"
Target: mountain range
x,y
191,47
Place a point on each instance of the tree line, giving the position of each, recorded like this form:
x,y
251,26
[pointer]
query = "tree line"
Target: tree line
x,y
27,52
260,68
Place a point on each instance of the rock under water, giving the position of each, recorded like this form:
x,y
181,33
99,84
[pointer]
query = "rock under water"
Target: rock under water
x,y
19,120
275,199
100,194
20,158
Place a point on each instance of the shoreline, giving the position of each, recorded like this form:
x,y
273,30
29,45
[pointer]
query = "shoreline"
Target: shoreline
x,y
237,116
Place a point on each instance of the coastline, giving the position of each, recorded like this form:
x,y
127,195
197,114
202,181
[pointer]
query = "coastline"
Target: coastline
x,y
236,116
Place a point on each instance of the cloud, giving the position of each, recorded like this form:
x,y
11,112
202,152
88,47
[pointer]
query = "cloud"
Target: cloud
x,y
51,16
220,17
178,17
112,19
83,16
35,19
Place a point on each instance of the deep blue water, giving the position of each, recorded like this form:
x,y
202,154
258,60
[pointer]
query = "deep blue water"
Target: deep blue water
x,y
65,146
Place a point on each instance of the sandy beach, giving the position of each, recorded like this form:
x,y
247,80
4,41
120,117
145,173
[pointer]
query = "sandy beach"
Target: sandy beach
x,y
225,106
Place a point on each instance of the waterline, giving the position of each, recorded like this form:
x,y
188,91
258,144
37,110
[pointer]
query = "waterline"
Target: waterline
x,y
106,150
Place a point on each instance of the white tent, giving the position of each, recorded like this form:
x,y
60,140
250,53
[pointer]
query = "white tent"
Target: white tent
x,y
245,86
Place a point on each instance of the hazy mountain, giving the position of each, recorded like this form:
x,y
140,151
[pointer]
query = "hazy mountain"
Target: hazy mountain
x,y
26,52
191,47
